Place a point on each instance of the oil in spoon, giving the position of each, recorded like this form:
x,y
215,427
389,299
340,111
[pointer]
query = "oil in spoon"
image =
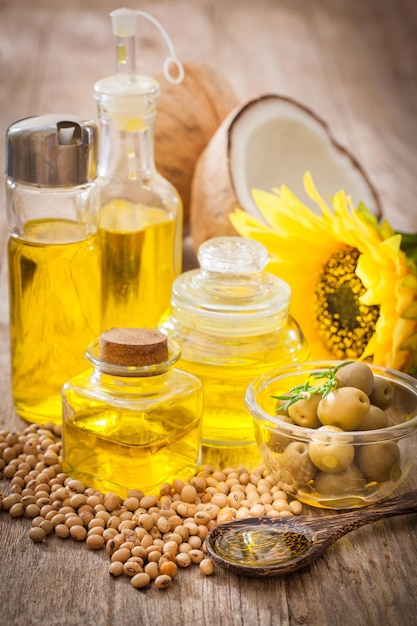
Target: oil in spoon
x,y
269,546
261,547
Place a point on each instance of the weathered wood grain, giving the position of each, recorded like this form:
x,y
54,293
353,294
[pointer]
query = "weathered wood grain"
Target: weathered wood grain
x,y
355,63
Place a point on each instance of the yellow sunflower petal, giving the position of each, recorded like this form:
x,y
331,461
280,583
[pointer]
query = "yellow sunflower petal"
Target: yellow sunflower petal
x,y
410,281
411,342
303,246
283,212
312,192
410,312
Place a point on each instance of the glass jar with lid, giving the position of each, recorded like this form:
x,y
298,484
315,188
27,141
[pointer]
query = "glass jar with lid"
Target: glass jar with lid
x,y
232,320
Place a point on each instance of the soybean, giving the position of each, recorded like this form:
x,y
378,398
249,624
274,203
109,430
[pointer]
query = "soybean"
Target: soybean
x,y
147,537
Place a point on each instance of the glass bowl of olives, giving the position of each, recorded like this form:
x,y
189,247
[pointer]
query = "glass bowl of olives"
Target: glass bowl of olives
x,y
335,434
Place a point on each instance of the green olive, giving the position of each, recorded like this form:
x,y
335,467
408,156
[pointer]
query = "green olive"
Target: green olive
x,y
276,441
375,419
331,458
284,417
296,468
344,407
382,393
278,410
349,482
356,374
304,412
380,461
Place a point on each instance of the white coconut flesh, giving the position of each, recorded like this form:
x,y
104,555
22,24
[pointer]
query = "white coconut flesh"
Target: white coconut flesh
x,y
273,141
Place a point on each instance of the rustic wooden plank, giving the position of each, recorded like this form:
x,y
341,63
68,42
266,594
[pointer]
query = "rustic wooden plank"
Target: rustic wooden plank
x,y
368,51
354,63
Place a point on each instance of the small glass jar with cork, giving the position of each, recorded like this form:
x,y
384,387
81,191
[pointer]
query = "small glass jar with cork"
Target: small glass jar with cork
x,y
132,421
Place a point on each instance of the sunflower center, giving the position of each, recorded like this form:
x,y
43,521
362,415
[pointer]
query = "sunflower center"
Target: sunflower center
x,y
345,325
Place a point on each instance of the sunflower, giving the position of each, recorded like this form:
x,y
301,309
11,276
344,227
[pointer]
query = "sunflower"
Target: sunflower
x,y
354,290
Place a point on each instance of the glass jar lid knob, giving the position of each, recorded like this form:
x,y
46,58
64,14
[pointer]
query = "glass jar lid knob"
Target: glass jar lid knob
x,y
232,255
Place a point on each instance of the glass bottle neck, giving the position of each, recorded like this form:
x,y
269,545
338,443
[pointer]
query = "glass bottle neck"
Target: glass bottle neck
x,y
131,385
130,379
127,147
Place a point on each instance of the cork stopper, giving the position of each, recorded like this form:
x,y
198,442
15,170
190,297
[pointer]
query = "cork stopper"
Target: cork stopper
x,y
133,346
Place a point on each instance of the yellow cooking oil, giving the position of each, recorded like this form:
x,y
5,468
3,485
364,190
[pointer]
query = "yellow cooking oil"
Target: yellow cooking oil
x,y
226,420
115,449
225,413
231,318
138,263
129,426
54,290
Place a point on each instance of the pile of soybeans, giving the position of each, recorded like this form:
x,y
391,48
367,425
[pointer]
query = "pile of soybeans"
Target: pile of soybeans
x,y
147,537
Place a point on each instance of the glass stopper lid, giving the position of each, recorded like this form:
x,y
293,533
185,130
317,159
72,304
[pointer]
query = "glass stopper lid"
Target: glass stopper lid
x,y
231,292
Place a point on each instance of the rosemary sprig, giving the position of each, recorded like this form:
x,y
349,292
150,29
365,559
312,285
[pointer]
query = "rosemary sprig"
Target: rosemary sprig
x,y
305,391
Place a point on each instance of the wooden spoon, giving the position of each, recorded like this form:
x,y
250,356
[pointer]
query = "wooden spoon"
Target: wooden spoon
x,y
271,546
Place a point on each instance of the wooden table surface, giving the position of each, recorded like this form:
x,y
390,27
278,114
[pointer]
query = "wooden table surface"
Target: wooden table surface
x,y
355,63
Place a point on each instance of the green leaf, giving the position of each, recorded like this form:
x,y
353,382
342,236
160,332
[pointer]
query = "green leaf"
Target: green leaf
x,y
410,313
365,212
409,245
385,230
410,343
302,392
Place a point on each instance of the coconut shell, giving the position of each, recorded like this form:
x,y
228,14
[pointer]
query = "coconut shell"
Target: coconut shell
x,y
188,116
215,192
213,196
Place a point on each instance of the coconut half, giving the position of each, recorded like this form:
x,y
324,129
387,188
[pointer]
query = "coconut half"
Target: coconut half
x,y
265,143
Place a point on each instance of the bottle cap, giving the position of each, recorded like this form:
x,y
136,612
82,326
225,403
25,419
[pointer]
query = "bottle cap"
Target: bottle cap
x,y
127,96
133,346
52,151
127,100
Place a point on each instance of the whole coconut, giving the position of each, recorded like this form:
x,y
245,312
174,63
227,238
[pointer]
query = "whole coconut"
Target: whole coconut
x,y
188,115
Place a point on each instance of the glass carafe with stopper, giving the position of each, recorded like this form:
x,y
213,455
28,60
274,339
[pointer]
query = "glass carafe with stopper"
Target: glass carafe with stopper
x,y
53,257
133,420
232,320
141,212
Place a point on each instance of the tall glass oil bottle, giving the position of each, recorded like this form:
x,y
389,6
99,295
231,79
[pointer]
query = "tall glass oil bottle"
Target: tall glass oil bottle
x,y
53,257
141,212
